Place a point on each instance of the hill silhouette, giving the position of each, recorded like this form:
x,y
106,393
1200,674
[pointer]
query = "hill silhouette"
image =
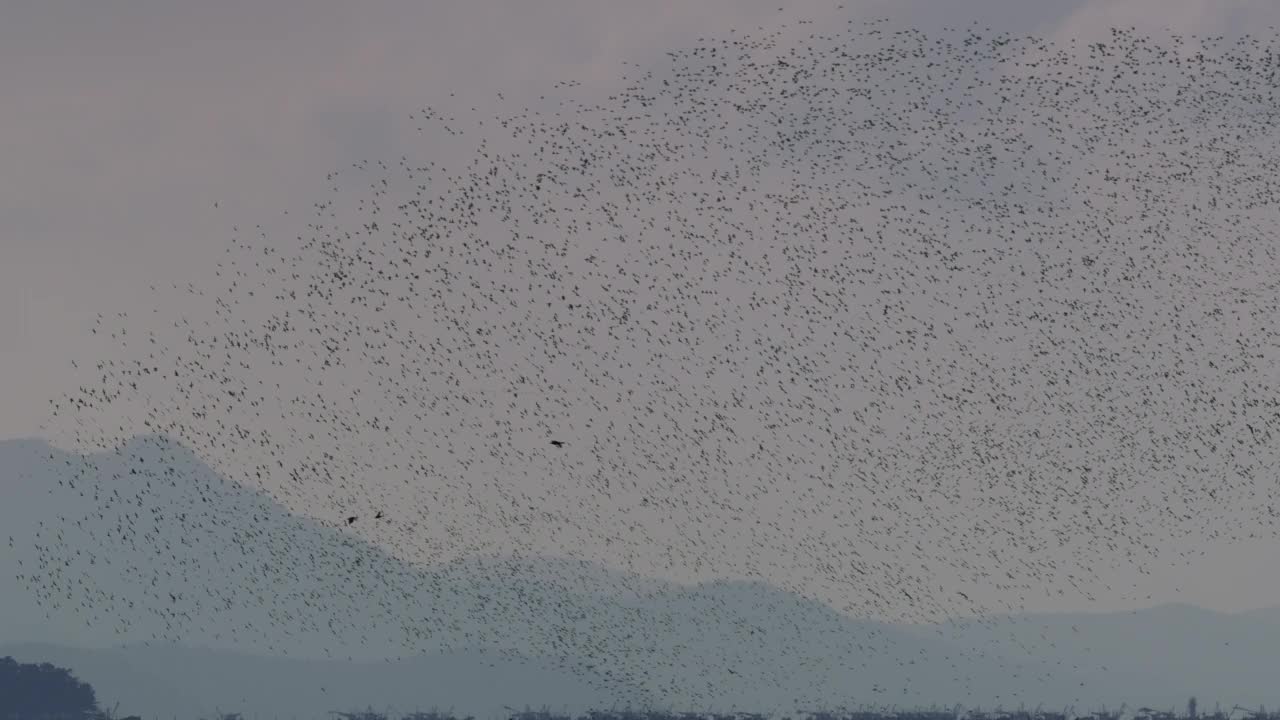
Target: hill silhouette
x,y
40,690
745,644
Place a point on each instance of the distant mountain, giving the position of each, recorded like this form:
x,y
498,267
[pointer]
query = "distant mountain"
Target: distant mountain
x,y
1162,653
574,633
1266,615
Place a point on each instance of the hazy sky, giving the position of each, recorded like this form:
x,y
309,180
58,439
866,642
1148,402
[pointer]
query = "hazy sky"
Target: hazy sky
x,y
123,123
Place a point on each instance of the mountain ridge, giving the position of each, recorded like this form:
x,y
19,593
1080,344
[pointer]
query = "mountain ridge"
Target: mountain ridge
x,y
732,643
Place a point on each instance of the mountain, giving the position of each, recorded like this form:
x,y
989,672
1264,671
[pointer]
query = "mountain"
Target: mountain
x,y
1160,654
1266,615
178,558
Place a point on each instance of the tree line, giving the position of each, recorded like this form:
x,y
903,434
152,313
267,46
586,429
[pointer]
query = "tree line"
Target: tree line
x,y
45,692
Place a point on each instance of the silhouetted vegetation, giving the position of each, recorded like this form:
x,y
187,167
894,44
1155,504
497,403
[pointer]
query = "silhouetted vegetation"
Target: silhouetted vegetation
x,y
861,713
433,714
44,692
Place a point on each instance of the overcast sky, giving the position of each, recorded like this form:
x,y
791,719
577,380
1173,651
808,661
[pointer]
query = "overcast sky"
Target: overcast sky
x,y
124,122
121,125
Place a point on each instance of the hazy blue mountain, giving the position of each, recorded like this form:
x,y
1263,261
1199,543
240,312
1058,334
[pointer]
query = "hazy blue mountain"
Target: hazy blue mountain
x,y
1164,652
481,633
1268,615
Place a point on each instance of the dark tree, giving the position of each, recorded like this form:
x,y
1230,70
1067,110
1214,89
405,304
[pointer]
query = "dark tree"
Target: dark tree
x,y
43,692
433,714
367,714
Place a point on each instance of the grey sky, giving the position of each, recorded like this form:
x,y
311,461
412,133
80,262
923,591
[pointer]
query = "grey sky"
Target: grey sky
x,y
124,123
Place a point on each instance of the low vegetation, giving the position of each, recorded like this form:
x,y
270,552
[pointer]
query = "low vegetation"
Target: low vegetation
x,y
45,692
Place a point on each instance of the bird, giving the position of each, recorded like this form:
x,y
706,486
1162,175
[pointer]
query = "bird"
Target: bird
x,y
834,316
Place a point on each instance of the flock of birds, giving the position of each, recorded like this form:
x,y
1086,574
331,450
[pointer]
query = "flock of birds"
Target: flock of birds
x,y
918,325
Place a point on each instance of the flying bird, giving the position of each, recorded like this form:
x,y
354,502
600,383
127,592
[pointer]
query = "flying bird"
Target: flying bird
x,y
892,306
